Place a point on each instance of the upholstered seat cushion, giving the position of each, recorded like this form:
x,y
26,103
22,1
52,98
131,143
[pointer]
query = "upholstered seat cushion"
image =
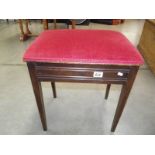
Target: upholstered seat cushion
x,y
83,46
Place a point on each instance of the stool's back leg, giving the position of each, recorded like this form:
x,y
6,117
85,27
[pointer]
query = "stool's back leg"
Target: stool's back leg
x,y
38,94
54,89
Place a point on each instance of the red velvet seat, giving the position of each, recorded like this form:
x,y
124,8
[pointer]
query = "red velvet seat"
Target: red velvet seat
x,y
83,46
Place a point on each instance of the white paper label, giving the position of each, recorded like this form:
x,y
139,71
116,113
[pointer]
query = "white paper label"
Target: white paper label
x,y
98,74
120,74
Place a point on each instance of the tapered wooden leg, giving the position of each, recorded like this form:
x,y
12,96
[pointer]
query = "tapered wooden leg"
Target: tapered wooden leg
x,y
54,89
126,88
38,94
107,91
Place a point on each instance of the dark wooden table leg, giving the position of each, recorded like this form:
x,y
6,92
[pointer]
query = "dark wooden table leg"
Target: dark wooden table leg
x,y
38,94
126,88
45,24
107,91
54,89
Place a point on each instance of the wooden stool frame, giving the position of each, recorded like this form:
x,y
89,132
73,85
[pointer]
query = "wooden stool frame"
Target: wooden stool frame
x,y
67,72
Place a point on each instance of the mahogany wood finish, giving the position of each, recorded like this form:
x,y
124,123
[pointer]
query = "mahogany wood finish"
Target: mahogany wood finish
x,y
54,89
126,88
58,72
107,91
38,94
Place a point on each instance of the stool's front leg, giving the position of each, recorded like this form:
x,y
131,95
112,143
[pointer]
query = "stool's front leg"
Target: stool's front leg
x,y
38,94
126,88
107,91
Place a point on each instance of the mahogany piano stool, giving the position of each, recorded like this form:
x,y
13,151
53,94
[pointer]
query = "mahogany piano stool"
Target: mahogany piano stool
x,y
86,56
